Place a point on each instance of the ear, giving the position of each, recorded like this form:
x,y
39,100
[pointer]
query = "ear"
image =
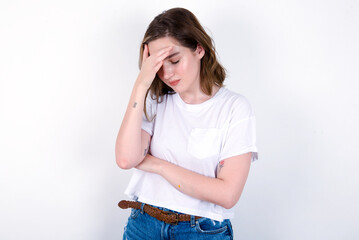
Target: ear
x,y
200,51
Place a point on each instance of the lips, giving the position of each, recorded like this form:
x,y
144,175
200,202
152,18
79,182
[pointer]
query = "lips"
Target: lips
x,y
174,83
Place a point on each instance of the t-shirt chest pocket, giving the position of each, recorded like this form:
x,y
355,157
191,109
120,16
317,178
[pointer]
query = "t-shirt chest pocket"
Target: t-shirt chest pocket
x,y
204,142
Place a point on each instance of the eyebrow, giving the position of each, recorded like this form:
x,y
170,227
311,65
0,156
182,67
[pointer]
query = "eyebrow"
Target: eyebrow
x,y
172,55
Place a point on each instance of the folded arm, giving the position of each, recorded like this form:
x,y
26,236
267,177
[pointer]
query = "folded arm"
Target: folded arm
x,y
225,190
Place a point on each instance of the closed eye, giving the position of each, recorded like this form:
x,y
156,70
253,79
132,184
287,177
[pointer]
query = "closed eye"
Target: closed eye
x,y
175,62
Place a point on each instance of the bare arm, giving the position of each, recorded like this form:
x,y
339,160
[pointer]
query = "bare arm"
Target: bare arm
x,y
225,190
132,142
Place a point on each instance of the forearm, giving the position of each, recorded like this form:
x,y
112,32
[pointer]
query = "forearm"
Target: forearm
x,y
205,188
129,148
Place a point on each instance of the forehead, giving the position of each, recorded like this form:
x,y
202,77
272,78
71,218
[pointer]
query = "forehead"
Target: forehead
x,y
164,42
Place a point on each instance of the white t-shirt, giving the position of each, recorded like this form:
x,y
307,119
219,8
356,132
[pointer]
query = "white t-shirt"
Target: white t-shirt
x,y
196,137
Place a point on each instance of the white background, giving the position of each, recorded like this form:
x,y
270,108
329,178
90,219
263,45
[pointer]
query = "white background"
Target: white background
x,y
66,72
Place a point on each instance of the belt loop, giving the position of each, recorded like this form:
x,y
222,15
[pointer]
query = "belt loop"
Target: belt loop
x,y
142,206
193,222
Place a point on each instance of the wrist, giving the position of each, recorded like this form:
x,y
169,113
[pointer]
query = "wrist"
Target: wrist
x,y
143,84
139,86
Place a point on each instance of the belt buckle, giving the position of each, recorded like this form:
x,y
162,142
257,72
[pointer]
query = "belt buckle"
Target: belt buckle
x,y
177,218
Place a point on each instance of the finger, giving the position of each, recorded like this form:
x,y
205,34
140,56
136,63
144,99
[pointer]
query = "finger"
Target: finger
x,y
158,66
164,51
164,55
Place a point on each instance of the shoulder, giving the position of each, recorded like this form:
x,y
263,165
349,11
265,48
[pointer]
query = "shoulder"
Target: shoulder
x,y
238,104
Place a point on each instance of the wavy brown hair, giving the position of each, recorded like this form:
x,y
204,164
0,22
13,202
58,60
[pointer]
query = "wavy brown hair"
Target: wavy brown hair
x,y
183,26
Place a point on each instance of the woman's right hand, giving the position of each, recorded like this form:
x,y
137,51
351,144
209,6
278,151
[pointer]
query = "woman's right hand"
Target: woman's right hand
x,y
150,65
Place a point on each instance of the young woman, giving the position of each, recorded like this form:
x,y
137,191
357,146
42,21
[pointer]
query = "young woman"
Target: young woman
x,y
190,139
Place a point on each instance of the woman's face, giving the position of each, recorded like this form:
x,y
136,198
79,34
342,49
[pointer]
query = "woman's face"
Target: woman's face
x,y
181,69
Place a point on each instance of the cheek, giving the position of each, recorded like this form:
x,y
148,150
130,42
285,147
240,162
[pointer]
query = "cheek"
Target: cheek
x,y
182,68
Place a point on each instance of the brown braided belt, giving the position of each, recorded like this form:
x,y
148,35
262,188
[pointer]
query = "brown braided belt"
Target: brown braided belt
x,y
167,217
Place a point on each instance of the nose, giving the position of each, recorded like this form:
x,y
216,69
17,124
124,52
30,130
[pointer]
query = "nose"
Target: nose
x,y
167,71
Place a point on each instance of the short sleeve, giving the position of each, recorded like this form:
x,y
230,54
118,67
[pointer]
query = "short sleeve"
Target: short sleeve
x,y
151,109
240,135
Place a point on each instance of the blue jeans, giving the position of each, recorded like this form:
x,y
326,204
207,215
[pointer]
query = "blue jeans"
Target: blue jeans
x,y
141,226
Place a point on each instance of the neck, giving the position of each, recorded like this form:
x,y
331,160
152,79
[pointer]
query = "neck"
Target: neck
x,y
197,97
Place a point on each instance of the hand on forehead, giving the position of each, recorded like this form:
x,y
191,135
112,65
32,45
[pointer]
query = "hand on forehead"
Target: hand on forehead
x,y
157,45
175,49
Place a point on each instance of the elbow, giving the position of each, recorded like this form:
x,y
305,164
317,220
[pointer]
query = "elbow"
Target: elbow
x,y
230,201
125,160
228,204
124,163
